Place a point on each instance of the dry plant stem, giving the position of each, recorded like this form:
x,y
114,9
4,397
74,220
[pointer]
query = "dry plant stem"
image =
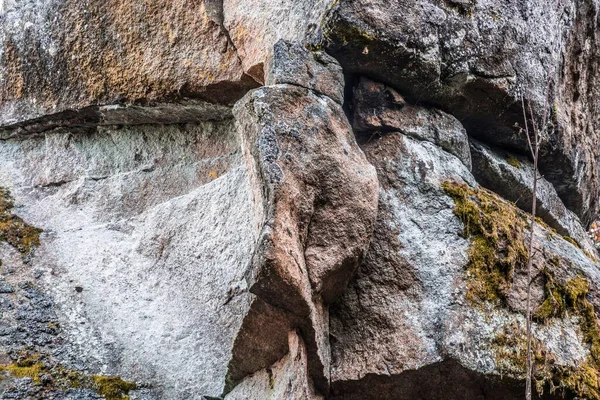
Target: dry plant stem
x,y
534,147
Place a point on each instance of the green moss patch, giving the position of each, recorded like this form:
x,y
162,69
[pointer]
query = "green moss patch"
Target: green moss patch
x,y
31,366
511,160
13,230
570,298
510,349
496,229
572,241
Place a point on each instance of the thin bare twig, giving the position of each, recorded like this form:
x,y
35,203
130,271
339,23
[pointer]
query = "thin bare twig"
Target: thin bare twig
x,y
534,146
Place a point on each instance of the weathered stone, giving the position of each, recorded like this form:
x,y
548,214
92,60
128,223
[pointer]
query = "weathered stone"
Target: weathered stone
x,y
382,109
512,178
255,26
319,189
165,294
474,61
61,56
287,379
6,288
292,63
89,118
152,230
411,306
318,197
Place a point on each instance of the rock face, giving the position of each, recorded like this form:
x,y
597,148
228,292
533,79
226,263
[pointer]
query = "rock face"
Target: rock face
x,y
475,59
512,178
68,55
225,199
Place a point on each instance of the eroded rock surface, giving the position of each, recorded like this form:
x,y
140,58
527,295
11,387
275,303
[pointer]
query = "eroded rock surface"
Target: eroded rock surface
x,y
122,260
317,196
475,60
356,228
61,55
435,290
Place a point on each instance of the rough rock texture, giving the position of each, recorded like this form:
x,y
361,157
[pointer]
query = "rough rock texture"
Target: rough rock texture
x,y
474,60
255,26
60,55
512,178
294,64
122,260
378,108
357,228
416,303
287,379
318,197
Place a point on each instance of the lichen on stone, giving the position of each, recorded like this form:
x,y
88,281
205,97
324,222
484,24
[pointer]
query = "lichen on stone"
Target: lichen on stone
x,y
13,230
32,366
496,230
511,160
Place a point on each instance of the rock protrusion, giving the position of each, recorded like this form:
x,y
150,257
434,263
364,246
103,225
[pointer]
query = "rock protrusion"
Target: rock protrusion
x,y
379,108
316,195
511,176
294,64
475,61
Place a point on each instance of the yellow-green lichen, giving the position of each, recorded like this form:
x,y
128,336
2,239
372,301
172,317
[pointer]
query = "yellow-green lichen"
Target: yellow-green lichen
x,y
496,229
31,366
25,368
572,241
111,387
13,230
511,160
510,349
570,298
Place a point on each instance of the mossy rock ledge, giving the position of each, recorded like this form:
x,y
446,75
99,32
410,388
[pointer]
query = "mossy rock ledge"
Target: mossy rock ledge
x,y
498,254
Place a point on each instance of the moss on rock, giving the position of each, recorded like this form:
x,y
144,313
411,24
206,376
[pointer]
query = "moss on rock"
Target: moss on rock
x,y
31,366
496,229
512,160
13,230
510,349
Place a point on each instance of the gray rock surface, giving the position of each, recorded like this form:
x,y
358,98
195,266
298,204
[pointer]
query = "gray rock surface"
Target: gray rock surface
x,y
512,178
170,230
378,108
409,309
476,60
155,283
255,26
294,64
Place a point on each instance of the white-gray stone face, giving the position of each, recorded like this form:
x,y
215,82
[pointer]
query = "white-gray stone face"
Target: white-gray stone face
x,y
147,236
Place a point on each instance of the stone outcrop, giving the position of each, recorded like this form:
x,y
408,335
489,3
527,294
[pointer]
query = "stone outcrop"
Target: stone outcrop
x,y
512,176
476,59
313,199
64,56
